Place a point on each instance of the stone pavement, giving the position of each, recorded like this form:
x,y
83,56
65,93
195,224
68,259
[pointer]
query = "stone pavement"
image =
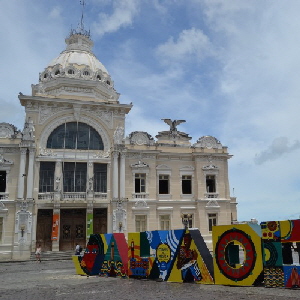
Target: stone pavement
x,y
57,280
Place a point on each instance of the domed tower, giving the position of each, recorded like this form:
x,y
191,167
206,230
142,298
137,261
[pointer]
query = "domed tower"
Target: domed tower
x,y
76,74
71,148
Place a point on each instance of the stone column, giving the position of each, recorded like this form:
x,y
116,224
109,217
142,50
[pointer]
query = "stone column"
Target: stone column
x,y
122,176
115,175
56,226
109,218
108,179
58,179
90,179
89,219
30,174
22,173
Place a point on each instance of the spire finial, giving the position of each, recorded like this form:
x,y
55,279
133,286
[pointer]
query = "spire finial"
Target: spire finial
x,y
80,29
82,2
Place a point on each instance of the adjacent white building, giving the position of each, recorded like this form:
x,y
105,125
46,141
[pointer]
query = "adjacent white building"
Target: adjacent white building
x,y
72,172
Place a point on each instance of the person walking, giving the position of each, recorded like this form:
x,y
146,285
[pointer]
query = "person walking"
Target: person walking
x,y
38,253
77,249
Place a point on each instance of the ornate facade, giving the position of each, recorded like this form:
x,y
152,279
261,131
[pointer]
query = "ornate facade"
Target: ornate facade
x,y
71,171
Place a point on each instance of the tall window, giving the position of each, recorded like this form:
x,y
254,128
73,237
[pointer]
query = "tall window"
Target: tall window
x,y
163,185
74,177
100,178
164,222
212,221
46,183
186,184
140,223
2,181
74,135
140,183
210,184
1,229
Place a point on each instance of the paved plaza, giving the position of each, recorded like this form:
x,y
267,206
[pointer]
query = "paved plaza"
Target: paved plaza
x,y
57,280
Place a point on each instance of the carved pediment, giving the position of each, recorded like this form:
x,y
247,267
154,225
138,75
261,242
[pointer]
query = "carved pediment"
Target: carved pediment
x,y
187,168
7,130
212,204
141,203
140,164
140,138
210,167
208,142
162,167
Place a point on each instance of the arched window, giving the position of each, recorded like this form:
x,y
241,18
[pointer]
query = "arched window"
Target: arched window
x,y
74,135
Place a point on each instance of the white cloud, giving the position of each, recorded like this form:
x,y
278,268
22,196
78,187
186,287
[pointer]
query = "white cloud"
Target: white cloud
x,y
55,12
122,16
191,44
279,147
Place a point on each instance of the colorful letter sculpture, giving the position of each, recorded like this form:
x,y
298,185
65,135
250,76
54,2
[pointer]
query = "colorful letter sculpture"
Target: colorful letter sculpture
x,y
115,261
174,255
140,262
278,243
93,258
193,262
227,242
244,255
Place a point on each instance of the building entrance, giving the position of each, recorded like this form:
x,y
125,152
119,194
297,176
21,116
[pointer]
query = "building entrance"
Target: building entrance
x,y
44,229
100,220
72,228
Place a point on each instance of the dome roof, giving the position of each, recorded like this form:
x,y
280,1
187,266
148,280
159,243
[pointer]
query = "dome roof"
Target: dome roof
x,y
78,52
79,58
76,72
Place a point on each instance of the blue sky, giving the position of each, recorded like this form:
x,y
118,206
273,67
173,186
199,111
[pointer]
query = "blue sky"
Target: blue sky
x,y
229,68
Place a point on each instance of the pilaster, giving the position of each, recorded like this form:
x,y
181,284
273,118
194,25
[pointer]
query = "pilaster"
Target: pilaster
x,y
30,176
22,174
115,175
122,175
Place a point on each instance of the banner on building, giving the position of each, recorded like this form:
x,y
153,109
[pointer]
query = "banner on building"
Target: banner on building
x,y
89,224
55,227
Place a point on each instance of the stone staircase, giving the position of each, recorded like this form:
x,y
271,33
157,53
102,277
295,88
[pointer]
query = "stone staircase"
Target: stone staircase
x,y
54,255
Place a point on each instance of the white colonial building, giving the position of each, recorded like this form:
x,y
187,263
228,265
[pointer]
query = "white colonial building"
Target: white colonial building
x,y
72,172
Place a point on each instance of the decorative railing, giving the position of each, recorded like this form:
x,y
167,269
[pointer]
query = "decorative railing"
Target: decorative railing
x,y
4,196
67,196
211,195
100,196
46,196
74,196
140,195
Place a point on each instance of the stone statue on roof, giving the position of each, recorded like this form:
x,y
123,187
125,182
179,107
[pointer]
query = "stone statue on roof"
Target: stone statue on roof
x,y
173,124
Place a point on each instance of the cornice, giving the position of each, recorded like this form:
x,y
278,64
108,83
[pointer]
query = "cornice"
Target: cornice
x,y
24,99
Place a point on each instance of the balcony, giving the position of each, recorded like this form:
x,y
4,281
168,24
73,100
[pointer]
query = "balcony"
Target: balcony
x,y
4,196
100,196
69,196
73,196
211,195
140,196
46,196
